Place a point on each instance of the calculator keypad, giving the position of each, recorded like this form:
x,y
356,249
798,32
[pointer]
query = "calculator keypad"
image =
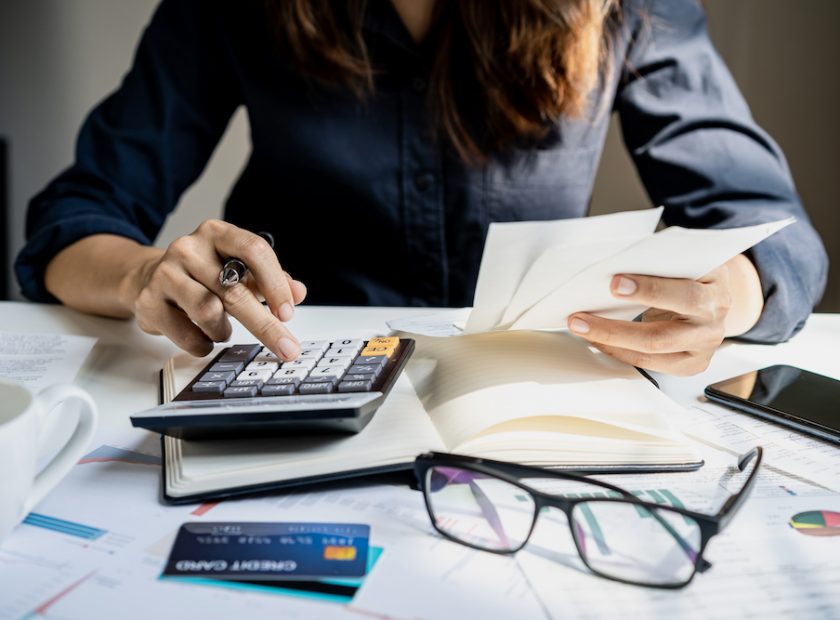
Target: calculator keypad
x,y
324,367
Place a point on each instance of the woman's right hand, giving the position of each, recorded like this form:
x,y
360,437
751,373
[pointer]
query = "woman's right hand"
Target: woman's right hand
x,y
179,295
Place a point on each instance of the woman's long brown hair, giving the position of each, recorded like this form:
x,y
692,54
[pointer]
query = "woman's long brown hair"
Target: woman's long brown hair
x,y
503,70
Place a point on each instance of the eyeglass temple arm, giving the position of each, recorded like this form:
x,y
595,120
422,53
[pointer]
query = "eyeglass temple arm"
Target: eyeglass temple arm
x,y
734,502
727,511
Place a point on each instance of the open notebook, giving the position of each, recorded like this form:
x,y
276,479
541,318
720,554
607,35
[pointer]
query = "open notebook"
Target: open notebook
x,y
533,397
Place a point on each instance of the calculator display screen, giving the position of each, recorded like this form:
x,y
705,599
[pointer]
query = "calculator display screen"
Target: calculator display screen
x,y
797,394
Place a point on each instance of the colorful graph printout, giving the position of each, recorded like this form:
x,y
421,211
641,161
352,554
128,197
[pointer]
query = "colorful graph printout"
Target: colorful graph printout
x,y
816,523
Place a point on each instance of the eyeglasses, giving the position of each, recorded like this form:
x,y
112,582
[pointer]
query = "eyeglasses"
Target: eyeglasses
x,y
485,505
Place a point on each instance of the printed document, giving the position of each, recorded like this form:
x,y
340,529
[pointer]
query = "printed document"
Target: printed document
x,y
39,360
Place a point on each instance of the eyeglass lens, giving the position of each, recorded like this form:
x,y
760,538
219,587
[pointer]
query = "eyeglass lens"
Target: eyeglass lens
x,y
620,540
636,543
479,510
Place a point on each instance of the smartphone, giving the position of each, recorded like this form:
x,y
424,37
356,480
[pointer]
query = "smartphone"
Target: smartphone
x,y
792,397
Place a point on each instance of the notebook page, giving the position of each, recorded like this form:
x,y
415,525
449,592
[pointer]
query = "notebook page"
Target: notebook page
x,y
556,439
472,383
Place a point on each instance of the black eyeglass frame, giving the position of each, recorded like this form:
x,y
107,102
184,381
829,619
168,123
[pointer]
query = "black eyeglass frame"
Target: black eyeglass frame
x,y
512,473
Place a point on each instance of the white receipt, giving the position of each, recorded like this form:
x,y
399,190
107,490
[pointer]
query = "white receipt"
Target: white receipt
x,y
533,275
512,265
670,253
38,360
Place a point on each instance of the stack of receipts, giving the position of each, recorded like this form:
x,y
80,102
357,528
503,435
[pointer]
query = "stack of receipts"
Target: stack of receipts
x,y
535,274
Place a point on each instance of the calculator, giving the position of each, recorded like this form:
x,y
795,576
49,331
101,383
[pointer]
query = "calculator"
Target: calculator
x,y
333,386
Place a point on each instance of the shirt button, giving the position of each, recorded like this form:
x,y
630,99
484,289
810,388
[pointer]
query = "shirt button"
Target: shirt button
x,y
418,84
422,181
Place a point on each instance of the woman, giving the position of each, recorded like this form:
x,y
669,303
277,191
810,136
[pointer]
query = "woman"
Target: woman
x,y
387,134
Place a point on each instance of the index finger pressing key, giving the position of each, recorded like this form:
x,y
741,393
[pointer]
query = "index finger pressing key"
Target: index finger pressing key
x,y
241,303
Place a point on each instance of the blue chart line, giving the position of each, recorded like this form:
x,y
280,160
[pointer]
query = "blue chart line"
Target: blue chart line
x,y
64,527
105,454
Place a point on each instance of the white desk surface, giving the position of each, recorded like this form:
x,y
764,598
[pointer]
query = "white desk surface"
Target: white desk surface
x,y
121,372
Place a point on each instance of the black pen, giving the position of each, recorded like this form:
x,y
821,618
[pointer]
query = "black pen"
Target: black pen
x,y
234,269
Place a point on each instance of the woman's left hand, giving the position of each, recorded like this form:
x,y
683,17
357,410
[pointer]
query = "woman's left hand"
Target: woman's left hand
x,y
683,327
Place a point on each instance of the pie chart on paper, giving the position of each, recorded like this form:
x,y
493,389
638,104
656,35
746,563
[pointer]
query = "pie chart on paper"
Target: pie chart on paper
x,y
816,523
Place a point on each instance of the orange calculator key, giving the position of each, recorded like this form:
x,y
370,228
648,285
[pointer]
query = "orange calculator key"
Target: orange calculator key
x,y
377,351
384,341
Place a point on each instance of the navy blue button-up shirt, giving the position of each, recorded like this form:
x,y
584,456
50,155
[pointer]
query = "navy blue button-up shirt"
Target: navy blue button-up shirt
x,y
368,206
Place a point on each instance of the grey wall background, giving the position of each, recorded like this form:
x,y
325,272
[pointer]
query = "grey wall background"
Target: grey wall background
x,y
59,57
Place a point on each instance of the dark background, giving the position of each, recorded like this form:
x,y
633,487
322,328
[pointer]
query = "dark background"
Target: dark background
x,y
59,57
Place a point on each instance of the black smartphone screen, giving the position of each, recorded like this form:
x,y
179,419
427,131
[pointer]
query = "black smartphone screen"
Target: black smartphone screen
x,y
790,393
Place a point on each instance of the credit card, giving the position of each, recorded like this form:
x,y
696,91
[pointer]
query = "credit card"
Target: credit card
x,y
269,551
326,589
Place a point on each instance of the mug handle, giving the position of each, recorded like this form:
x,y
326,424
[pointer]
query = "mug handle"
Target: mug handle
x,y
57,468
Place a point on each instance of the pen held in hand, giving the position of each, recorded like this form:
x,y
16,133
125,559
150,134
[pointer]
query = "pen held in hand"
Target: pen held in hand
x,y
234,269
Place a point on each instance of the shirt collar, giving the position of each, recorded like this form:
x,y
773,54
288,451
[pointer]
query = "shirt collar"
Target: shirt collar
x,y
382,19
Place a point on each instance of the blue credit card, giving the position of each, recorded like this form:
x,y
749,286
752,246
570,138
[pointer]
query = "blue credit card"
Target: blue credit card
x,y
326,589
269,551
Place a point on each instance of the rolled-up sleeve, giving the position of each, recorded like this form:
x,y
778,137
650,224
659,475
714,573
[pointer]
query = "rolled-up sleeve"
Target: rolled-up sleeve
x,y
142,146
699,152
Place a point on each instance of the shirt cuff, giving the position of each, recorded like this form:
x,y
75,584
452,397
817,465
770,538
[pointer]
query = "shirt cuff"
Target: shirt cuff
x,y
43,246
791,289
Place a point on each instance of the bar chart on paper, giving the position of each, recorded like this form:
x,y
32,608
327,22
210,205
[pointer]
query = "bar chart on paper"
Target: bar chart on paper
x,y
63,526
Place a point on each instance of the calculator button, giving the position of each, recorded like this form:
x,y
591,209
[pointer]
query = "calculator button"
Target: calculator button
x,y
390,341
278,390
235,367
301,362
316,353
343,360
364,369
241,392
355,386
297,373
263,365
341,352
275,380
224,377
328,371
348,344
384,351
349,377
374,360
318,345
256,375
322,379
208,387
316,388
247,383
241,353
266,356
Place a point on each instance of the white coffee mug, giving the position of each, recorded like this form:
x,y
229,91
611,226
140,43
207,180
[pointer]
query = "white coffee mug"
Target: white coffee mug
x,y
27,422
